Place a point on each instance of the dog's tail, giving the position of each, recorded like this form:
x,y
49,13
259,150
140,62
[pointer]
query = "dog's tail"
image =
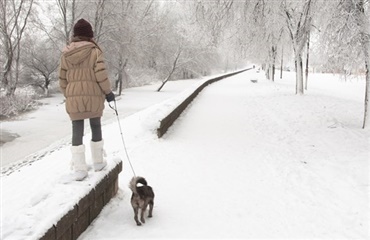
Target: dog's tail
x,y
134,181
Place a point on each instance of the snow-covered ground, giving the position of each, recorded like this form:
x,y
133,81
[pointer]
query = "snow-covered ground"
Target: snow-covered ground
x,y
48,127
245,160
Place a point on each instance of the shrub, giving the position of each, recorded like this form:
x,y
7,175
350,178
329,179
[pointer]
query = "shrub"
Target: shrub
x,y
11,106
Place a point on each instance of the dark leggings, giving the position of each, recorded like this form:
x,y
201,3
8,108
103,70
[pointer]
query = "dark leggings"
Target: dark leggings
x,y
78,131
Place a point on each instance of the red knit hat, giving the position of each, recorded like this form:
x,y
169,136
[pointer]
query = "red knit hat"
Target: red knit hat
x,y
83,28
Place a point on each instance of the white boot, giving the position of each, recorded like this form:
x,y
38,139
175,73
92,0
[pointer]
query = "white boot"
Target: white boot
x,y
97,155
78,162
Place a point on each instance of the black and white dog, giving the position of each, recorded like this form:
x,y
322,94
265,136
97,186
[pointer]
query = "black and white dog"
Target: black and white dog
x,y
142,196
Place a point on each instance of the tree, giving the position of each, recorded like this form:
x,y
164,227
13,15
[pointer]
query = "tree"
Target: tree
x,y
184,50
99,19
172,69
128,29
42,63
307,60
271,24
14,16
67,10
214,16
349,25
298,18
362,16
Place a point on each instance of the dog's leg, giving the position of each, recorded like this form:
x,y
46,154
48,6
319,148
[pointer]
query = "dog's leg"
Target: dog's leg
x,y
136,210
143,209
151,204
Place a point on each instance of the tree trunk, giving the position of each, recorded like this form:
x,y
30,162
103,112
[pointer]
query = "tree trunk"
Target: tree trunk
x,y
281,66
298,30
270,73
174,66
46,91
121,69
119,82
307,60
267,71
7,67
299,74
17,64
366,50
164,82
274,52
168,77
363,21
46,86
366,122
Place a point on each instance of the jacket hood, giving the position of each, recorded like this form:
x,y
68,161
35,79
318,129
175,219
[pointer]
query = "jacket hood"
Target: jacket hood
x,y
77,52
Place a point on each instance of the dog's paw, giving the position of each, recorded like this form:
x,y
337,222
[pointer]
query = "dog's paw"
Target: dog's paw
x,y
138,223
142,220
150,216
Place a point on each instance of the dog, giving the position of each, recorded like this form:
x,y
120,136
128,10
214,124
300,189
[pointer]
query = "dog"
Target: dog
x,y
142,196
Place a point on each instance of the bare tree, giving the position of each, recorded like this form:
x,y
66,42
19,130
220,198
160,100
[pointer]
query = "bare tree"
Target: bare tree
x,y
119,41
172,70
41,64
350,26
269,25
67,10
307,60
214,16
362,18
298,17
99,18
14,17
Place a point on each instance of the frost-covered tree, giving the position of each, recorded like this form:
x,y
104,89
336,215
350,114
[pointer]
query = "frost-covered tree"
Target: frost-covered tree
x,y
186,50
67,12
127,31
269,24
363,19
214,17
14,17
41,64
347,39
298,16
100,16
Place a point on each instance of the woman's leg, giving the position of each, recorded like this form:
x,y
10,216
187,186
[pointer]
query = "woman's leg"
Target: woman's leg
x,y
97,151
77,132
78,162
96,134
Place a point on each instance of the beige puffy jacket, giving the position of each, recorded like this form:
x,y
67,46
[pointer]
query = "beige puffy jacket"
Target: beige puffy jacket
x,y
83,80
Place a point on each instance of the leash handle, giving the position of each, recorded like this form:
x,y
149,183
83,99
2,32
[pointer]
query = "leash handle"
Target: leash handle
x,y
114,108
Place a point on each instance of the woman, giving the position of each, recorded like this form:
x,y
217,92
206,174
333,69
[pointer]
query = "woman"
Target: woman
x,y
84,81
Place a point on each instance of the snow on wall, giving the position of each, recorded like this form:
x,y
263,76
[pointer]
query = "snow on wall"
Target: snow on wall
x,y
76,220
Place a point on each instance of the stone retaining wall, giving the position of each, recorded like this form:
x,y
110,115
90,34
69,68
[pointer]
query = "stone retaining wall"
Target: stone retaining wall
x,y
76,221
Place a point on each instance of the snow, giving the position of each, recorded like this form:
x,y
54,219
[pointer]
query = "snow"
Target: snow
x,y
245,160
47,128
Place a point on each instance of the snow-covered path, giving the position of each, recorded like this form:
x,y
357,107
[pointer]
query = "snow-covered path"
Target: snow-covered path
x,y
250,161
